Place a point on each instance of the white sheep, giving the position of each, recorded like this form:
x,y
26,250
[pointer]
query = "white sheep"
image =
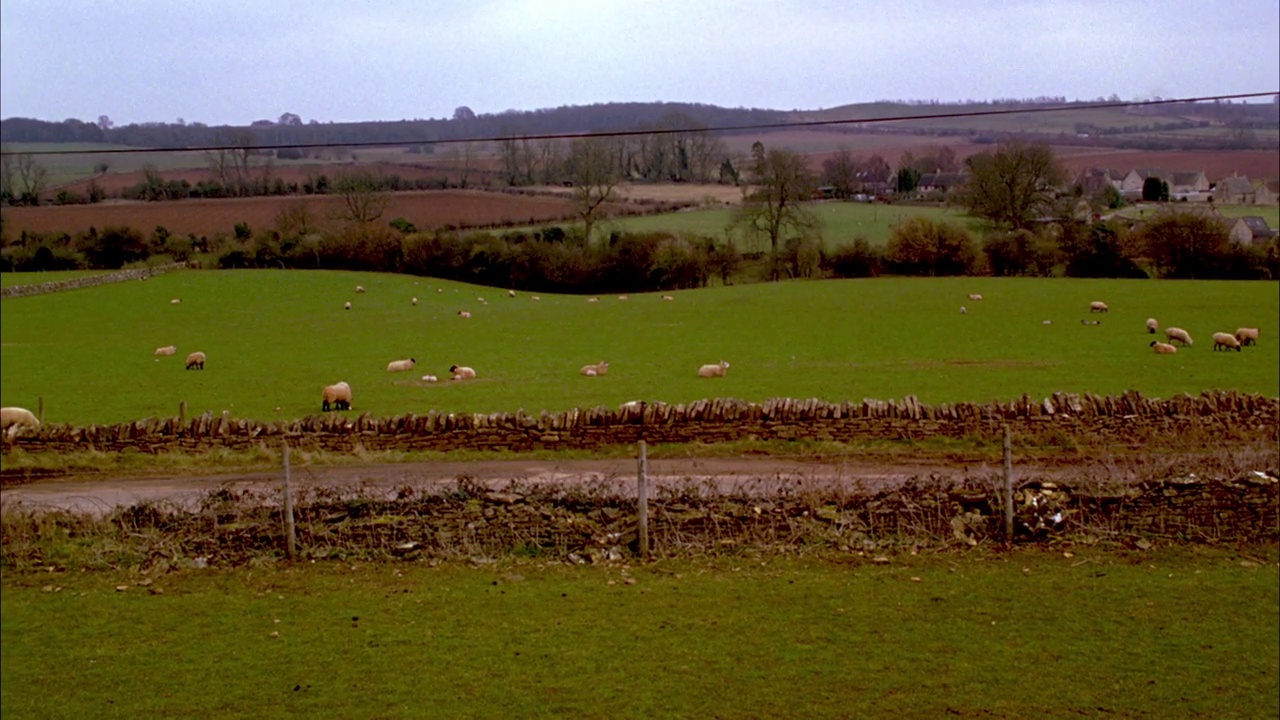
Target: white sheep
x,y
534,297
599,368
195,360
359,288
337,396
593,300
401,365
1176,333
413,301
711,371
461,372
166,350
975,296
667,297
346,306
622,297
1247,336
464,314
964,310
1163,348
511,293
14,419
1226,341
1098,306
176,301
430,378
1152,325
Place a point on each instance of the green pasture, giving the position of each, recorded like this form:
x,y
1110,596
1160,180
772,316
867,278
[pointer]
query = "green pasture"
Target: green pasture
x,y
35,278
274,338
1049,635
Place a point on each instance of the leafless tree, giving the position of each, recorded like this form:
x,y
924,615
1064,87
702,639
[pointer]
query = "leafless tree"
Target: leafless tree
x,y
592,169
773,203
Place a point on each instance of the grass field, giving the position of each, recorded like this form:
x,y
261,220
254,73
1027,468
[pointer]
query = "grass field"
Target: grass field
x,y
275,338
35,278
1030,634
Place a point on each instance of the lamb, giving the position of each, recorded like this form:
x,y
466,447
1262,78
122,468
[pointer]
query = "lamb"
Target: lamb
x,y
337,396
975,296
1225,340
599,368
166,350
667,297
461,372
401,365
511,293
1098,306
347,306
430,378
14,419
413,301
711,371
964,310
464,314
1247,336
359,288
1152,325
176,301
1182,336
1163,348
195,360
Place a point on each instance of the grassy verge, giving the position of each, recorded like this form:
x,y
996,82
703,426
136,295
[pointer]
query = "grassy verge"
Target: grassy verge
x,y
976,635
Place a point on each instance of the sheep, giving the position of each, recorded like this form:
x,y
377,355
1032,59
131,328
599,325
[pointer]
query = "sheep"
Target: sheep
x,y
511,293
464,314
430,378
711,371
1098,306
176,301
975,296
593,300
337,396
166,350
461,372
964,310
14,419
667,297
1152,326
1090,322
413,301
1247,336
482,301
1225,340
346,306
359,288
195,360
622,297
401,365
1182,336
534,298
1163,348
599,368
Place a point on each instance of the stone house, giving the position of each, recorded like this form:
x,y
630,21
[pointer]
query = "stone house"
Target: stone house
x,y
1133,181
941,182
1237,190
1249,230
1095,180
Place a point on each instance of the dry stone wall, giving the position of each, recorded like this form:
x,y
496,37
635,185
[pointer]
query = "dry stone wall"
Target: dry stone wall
x,y
1126,418
89,281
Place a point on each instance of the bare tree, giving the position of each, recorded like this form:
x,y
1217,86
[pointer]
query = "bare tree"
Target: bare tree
x,y
22,179
363,199
592,169
1014,185
772,205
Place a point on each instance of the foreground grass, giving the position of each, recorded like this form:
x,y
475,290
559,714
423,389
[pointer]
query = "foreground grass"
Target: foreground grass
x,y
275,338
1026,634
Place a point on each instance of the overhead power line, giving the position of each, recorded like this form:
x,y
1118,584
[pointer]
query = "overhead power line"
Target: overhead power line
x,y
667,131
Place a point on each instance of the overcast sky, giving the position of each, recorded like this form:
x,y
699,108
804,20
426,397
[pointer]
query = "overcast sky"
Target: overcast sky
x,y
236,61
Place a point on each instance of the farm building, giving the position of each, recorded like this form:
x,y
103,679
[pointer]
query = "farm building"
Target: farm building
x,y
1249,230
1237,190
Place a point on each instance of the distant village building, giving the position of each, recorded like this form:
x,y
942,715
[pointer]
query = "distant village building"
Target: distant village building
x,y
1249,230
941,182
1237,190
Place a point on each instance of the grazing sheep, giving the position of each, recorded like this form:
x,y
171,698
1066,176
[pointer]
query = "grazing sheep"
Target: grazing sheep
x,y
964,310
359,288
1098,306
511,293
1152,325
622,297
176,301
461,372
975,296
337,396
482,301
166,350
430,378
14,419
1247,336
401,365
1226,341
711,371
599,368
195,360
413,301
1182,336
464,314
1047,322
1163,348
667,297
346,306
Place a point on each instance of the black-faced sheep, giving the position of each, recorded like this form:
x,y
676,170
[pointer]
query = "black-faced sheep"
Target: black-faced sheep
x,y
401,365
346,306
1098,306
462,372
1152,325
15,419
1163,348
464,314
1225,341
195,361
1176,333
712,371
336,396
1247,336
599,368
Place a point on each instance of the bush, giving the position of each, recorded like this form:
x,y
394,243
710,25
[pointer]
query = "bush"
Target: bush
x,y
920,246
855,260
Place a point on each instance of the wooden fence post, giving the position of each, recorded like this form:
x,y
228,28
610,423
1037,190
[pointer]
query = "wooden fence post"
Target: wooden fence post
x,y
182,412
1008,486
642,495
291,540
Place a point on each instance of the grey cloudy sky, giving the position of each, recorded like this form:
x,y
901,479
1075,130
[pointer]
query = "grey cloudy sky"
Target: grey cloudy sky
x,y
235,61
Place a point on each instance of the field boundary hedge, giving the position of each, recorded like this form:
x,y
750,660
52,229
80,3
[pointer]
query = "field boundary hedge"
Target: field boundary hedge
x,y
91,280
1212,417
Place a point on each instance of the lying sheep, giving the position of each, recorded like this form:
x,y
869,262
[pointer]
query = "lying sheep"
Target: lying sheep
x,y
593,300
166,350
964,310
1176,333
461,372
359,288
534,297
711,371
1152,325
195,360
667,297
1098,306
975,296
337,396
464,314
430,378
1163,348
176,301
622,297
401,365
1226,341
599,368
1247,336
14,419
